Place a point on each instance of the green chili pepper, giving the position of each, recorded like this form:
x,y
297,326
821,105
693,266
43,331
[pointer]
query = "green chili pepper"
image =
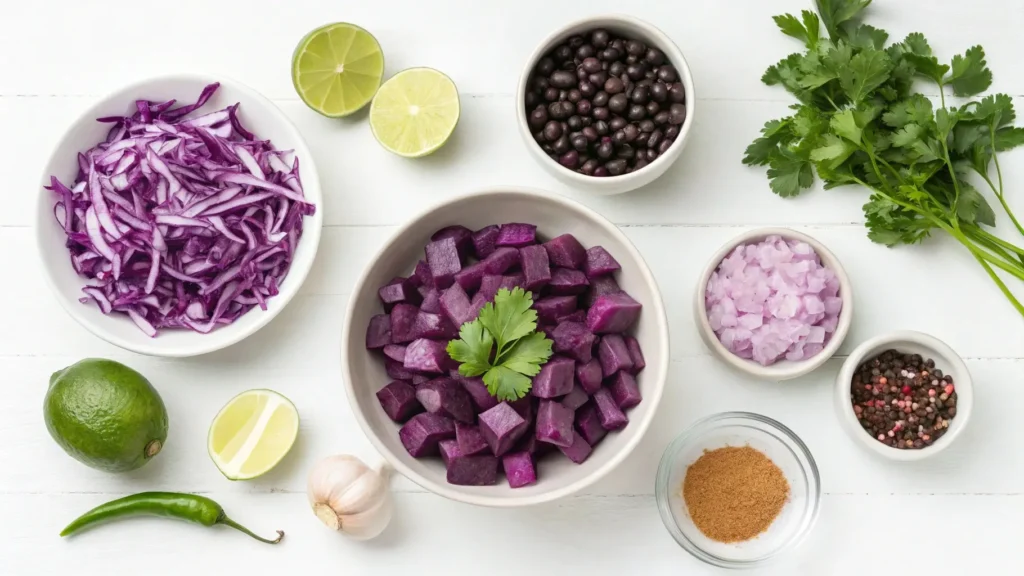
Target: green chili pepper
x,y
189,507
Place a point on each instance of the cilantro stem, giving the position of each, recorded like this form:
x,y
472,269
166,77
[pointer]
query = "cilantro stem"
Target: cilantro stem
x,y
996,248
979,231
1002,286
999,174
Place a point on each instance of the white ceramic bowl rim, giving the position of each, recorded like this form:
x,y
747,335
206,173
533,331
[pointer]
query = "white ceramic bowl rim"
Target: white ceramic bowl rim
x,y
672,53
943,354
659,371
784,369
297,272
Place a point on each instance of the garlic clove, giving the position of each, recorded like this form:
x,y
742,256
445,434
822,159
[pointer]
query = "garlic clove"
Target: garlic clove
x,y
349,496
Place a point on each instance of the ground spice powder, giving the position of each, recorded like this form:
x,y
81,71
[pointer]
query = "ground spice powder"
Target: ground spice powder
x,y
734,493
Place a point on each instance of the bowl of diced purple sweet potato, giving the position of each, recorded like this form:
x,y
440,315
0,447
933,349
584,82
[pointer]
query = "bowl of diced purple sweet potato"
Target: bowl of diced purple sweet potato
x,y
596,313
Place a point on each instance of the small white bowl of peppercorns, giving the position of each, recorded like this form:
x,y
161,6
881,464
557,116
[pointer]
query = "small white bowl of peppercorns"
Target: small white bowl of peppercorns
x,y
904,395
606,103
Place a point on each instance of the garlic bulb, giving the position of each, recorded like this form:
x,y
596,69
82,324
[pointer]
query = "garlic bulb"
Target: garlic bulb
x,y
349,496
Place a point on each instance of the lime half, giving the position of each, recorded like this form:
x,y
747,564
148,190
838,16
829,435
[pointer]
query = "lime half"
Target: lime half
x,y
337,69
415,112
252,433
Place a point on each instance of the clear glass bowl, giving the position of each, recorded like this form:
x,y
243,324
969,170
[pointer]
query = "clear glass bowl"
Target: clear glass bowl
x,y
777,442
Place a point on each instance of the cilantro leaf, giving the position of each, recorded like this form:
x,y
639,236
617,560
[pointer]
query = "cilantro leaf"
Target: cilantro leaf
x,y
890,224
835,12
762,149
916,43
945,120
528,354
970,73
972,207
868,70
1009,137
813,26
789,174
845,125
507,385
509,318
834,152
791,26
472,349
906,136
864,36
915,110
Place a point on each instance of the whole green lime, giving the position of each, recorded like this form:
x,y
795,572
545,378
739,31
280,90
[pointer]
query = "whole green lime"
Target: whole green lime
x,y
105,415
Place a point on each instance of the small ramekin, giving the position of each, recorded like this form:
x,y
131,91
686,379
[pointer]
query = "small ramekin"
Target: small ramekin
x,y
775,441
907,342
632,28
783,369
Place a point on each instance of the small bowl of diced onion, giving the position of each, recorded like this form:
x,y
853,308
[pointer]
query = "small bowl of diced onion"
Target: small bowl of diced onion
x,y
773,303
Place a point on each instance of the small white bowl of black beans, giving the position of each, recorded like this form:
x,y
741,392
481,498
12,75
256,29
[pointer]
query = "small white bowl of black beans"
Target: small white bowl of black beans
x,y
904,395
606,103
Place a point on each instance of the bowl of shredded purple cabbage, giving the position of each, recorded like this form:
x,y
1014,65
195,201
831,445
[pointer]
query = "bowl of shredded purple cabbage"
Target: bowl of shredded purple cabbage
x,y
179,215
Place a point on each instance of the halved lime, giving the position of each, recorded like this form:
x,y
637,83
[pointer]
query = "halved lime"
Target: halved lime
x,y
337,69
415,112
252,433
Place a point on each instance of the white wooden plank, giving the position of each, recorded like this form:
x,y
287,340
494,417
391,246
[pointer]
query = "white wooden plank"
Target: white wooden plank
x,y
430,535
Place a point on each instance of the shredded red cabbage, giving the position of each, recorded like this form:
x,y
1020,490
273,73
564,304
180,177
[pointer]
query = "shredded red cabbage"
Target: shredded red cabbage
x,y
182,222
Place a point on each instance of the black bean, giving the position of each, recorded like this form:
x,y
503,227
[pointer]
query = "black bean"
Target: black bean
x,y
585,51
654,56
635,72
640,95
647,126
546,66
598,78
654,139
587,90
641,139
616,167
609,54
650,75
619,137
661,117
618,44
600,171
637,112
625,151
614,85
617,123
583,107
599,38
570,159
651,154
552,131
540,83
632,131
562,53
605,150
591,65
561,145
589,166
630,59
551,94
538,117
677,114
590,133
576,41
575,123
667,73
562,79
653,108
640,163
676,93
555,111
659,92
574,95
539,137
530,100
602,127
618,103
600,113
635,47
600,99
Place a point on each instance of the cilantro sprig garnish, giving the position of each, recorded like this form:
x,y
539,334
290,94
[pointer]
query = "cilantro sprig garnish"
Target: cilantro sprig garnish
x,y
503,345
860,122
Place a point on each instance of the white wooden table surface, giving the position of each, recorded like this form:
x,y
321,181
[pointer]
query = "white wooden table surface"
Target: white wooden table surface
x,y
958,512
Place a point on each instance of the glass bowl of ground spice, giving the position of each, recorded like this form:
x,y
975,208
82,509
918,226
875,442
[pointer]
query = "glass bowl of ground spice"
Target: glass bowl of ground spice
x,y
737,489
904,395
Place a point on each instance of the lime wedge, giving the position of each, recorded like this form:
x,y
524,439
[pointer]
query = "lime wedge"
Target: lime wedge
x,y
415,112
336,69
252,433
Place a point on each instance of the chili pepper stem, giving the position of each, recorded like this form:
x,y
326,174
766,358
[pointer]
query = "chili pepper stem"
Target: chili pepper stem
x,y
229,522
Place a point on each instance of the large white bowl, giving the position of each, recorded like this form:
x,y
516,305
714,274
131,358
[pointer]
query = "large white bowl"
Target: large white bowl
x,y
364,373
783,369
906,342
629,27
261,117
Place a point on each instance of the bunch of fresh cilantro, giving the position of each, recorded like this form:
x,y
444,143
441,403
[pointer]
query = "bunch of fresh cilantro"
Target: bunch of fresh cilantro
x,y
503,345
859,121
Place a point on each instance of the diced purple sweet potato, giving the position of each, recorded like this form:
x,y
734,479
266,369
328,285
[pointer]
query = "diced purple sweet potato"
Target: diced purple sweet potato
x,y
525,406
397,371
396,352
625,390
519,470
462,236
554,423
547,330
575,398
578,451
598,287
378,332
555,378
480,470
517,235
471,441
478,303
433,326
399,291
449,450
566,251
443,260
588,424
612,417
635,354
423,432
419,379
403,317
456,305
398,399
566,282
431,302
589,375
470,276
484,241
489,286
446,397
482,399
613,354
612,313
422,274
426,355
536,270
577,316
501,260
574,340
599,262
502,426
552,308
